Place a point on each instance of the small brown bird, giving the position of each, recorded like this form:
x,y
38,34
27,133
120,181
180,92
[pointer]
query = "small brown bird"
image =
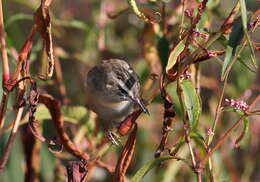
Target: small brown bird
x,y
113,91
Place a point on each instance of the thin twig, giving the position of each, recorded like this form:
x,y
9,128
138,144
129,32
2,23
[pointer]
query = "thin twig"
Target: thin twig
x,y
59,78
256,100
217,113
6,72
8,146
5,68
3,105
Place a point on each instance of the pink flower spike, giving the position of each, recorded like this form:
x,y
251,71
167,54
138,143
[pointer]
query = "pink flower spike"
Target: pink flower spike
x,y
210,132
186,75
189,13
237,104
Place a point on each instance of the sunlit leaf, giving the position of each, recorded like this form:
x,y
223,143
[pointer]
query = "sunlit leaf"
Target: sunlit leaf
x,y
192,103
174,55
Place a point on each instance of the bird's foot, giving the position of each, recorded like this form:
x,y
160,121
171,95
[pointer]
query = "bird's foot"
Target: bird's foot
x,y
114,138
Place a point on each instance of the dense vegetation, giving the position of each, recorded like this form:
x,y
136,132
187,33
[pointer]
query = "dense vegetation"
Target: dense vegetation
x,y
197,61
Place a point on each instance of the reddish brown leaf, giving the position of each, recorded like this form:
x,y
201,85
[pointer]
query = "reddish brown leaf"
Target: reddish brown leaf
x,y
150,50
127,125
125,157
226,26
32,150
42,21
33,123
76,171
54,108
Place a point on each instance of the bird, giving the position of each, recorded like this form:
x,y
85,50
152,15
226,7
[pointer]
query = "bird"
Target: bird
x,y
113,91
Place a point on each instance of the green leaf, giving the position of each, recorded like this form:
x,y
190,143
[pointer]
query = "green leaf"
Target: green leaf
x,y
75,114
244,22
192,103
147,167
17,17
245,65
244,132
174,167
227,62
42,113
163,50
234,40
174,55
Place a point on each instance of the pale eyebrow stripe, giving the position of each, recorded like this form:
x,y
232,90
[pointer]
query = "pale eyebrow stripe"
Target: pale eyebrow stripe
x,y
130,82
124,87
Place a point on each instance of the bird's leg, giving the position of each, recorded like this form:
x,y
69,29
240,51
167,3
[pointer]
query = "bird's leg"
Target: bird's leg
x,y
113,136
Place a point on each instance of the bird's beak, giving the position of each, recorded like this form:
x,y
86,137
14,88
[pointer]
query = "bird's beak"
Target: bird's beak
x,y
142,105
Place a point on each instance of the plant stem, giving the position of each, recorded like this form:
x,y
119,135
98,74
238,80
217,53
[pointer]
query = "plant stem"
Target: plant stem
x,y
8,146
6,71
3,106
5,68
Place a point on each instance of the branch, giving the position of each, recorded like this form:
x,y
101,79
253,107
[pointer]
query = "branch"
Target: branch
x,y
6,72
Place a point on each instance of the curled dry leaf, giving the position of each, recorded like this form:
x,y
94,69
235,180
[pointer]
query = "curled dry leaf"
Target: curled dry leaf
x,y
227,25
43,23
54,108
150,50
125,157
209,54
76,171
33,123
127,125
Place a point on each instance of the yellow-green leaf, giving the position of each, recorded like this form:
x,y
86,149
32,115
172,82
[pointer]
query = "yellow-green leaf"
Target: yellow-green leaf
x,y
174,55
191,102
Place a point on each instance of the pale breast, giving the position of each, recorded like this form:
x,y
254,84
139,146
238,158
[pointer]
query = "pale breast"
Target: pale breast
x,y
108,110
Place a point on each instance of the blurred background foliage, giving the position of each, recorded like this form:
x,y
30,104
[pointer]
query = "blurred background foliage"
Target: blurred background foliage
x,y
83,35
